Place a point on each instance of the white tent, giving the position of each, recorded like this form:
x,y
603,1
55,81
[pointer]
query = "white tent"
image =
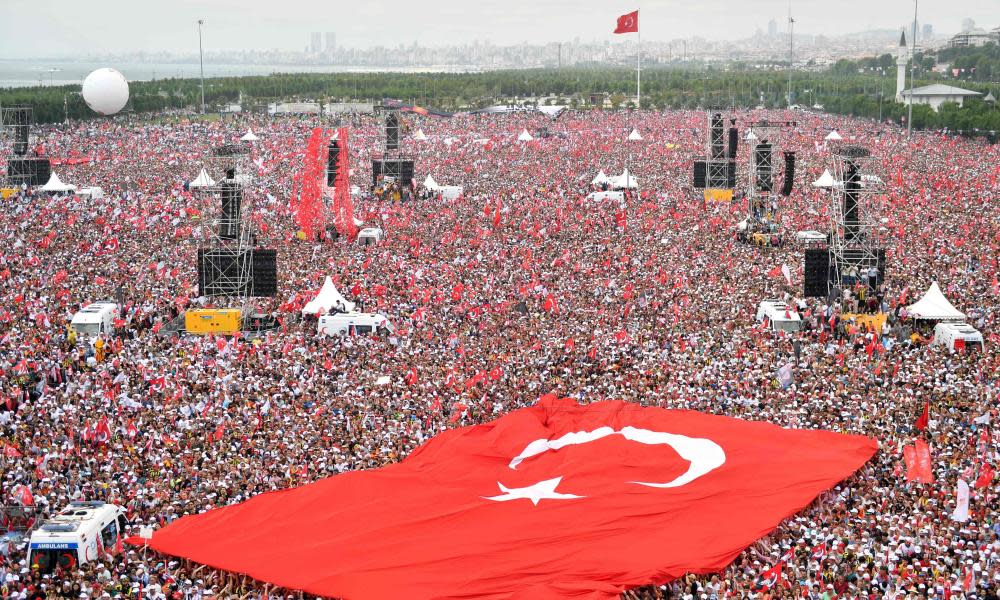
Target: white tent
x,y
56,185
420,135
750,136
825,180
429,183
202,181
934,306
833,136
601,178
634,136
625,180
249,137
327,298
525,136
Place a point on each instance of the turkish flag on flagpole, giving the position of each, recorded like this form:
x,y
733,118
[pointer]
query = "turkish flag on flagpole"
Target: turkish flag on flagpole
x,y
605,497
628,23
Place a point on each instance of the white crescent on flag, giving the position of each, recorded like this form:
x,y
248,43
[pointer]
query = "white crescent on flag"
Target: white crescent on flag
x,y
703,454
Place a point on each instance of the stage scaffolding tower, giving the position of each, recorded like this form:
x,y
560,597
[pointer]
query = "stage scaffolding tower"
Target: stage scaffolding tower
x,y
854,236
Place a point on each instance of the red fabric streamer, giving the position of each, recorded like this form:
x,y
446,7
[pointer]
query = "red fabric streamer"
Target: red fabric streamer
x,y
343,206
311,180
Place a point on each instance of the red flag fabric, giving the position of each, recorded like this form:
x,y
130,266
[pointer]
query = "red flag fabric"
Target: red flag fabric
x,y
920,469
924,418
628,23
986,475
769,579
476,510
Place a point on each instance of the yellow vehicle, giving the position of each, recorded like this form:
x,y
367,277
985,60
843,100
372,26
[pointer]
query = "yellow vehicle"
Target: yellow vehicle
x,y
212,320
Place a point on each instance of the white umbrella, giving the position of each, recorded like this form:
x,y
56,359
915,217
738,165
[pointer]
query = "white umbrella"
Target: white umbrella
x,y
420,135
525,136
833,136
249,137
634,136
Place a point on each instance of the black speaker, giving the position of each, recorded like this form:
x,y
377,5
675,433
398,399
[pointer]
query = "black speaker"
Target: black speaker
x,y
392,131
718,136
789,181
397,168
232,210
734,140
852,190
762,164
700,170
332,160
30,171
731,174
230,272
817,272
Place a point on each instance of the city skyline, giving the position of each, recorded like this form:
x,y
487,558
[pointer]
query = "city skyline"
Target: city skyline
x,y
236,26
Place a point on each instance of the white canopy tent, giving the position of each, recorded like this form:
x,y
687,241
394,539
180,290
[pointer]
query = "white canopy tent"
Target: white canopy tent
x,y
934,306
202,181
327,298
56,185
825,180
625,180
420,135
525,136
634,136
833,136
429,183
249,137
601,178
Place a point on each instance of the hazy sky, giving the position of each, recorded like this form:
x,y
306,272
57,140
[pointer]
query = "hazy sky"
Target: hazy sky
x,y
33,28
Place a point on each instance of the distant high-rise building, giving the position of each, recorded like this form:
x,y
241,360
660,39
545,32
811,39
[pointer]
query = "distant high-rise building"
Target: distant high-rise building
x,y
315,42
331,41
968,24
927,32
772,28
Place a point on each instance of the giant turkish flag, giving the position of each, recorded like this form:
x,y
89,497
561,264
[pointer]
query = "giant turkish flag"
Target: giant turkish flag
x,y
554,501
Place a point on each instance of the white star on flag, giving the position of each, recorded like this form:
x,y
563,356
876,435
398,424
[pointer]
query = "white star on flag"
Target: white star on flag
x,y
543,490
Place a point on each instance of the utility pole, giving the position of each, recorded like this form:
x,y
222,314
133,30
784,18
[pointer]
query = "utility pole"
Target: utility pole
x,y
913,63
201,60
791,55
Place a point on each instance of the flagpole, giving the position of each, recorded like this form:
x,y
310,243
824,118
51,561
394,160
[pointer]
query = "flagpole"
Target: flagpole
x,y
638,67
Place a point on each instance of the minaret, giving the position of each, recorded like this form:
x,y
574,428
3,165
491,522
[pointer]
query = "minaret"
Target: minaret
x,y
901,59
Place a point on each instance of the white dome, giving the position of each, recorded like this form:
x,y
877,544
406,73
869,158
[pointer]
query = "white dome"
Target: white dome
x,y
105,91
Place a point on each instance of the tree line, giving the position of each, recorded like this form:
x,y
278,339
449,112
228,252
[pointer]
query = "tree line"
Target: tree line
x,y
843,89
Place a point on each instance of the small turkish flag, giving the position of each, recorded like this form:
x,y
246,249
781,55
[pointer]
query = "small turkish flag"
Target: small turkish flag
x,y
628,23
606,497
924,419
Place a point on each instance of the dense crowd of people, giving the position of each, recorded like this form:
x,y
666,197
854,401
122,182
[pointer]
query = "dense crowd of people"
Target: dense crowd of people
x,y
519,287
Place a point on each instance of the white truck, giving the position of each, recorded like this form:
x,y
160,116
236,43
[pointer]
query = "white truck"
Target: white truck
x,y
780,316
353,323
371,235
82,532
94,319
946,334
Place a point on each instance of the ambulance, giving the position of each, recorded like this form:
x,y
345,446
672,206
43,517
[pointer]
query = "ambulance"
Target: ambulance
x,y
94,319
82,532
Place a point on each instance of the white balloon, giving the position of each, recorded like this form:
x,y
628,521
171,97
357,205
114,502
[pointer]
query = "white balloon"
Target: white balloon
x,y
105,91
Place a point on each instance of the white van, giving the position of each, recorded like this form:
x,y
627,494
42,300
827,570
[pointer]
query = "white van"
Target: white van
x,y
371,235
92,192
353,323
599,196
95,319
449,192
781,316
82,532
946,334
